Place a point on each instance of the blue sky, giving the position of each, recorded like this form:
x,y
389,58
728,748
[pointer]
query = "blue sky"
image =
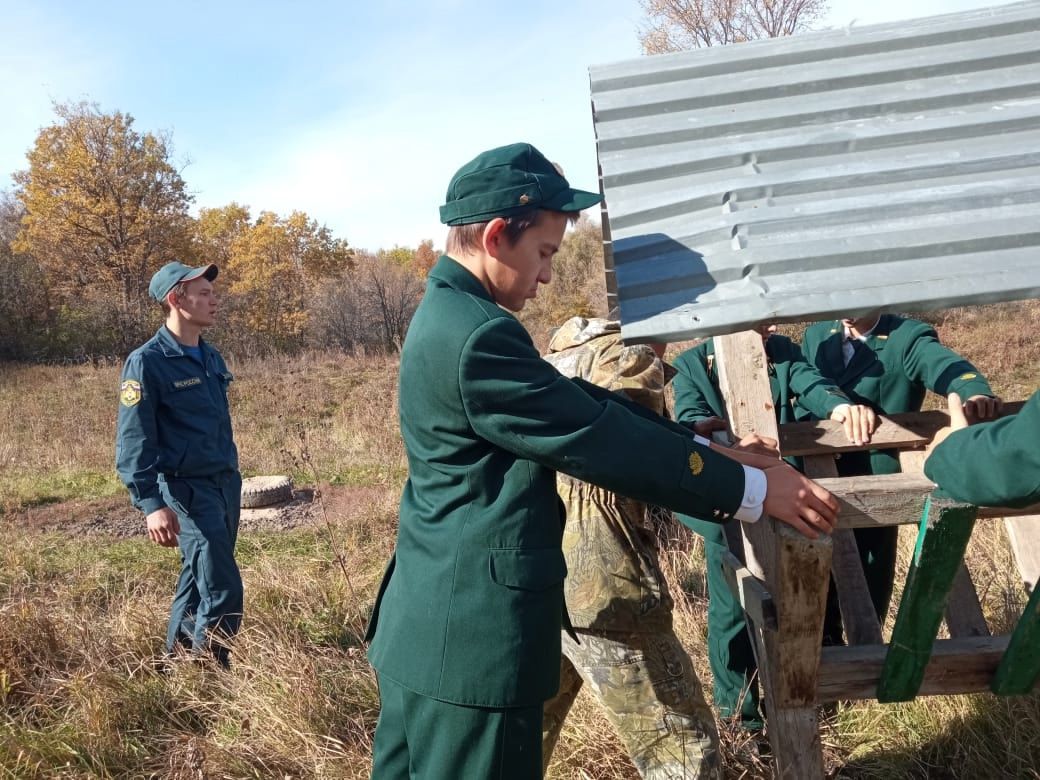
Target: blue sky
x,y
356,113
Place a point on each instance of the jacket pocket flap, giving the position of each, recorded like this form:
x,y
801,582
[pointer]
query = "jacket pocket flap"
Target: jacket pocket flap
x,y
537,569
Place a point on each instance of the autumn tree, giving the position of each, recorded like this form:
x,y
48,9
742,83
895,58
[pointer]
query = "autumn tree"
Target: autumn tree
x,y
578,285
271,269
680,25
24,304
425,257
104,208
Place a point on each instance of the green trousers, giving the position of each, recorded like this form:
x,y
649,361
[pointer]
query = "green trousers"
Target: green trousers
x,y
419,738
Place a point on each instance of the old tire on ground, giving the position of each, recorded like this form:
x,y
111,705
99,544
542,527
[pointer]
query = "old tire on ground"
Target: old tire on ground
x,y
265,491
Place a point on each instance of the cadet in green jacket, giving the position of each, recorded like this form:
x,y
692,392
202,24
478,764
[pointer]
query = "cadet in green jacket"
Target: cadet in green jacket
x,y
888,363
176,455
698,402
994,464
466,628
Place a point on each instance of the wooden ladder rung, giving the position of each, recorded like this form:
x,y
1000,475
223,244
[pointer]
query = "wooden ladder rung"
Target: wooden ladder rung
x,y
963,665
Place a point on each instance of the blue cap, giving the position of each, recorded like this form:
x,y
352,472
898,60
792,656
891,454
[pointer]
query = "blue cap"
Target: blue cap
x,y
172,274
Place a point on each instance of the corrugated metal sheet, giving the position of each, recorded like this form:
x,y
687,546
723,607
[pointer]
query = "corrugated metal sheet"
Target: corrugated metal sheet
x,y
895,166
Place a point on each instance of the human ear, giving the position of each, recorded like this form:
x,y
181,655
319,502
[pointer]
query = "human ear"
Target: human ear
x,y
494,236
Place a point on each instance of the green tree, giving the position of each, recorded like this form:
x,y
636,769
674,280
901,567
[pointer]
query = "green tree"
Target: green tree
x,y
680,25
104,208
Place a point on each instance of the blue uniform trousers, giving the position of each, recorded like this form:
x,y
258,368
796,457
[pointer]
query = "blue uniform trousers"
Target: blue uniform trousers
x,y
207,604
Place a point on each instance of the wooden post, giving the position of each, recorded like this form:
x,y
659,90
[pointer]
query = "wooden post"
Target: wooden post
x,y
941,540
794,569
1024,538
857,609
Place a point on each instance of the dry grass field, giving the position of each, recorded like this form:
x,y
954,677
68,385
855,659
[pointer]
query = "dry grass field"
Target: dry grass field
x,y
82,617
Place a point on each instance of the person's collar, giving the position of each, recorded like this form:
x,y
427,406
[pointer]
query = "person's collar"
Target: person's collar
x,y
170,345
453,273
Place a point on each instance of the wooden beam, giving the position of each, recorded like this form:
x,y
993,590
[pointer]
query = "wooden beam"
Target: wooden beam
x,y
1024,538
893,499
857,610
962,665
897,431
795,570
750,592
827,437
942,538
1020,666
964,616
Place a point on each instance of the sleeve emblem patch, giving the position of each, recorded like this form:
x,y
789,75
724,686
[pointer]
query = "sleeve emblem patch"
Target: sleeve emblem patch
x,y
969,375
130,392
696,464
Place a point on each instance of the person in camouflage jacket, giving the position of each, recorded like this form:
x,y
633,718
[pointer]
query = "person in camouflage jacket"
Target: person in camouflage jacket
x,y
616,596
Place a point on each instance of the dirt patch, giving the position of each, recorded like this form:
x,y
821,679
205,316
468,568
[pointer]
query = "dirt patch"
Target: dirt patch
x,y
115,517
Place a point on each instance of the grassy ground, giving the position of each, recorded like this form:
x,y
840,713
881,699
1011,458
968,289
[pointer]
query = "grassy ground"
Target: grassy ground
x,y
81,620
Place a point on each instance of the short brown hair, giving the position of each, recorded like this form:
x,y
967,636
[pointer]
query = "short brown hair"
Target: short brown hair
x,y
177,289
465,238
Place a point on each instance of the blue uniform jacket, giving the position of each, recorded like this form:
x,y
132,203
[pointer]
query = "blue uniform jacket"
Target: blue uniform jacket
x,y
173,418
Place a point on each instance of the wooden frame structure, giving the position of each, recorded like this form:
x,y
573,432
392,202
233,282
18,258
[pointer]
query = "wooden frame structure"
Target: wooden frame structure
x,y
782,578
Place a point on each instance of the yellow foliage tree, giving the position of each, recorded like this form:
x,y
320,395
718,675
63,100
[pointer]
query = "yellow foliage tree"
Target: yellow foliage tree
x,y
270,270
104,207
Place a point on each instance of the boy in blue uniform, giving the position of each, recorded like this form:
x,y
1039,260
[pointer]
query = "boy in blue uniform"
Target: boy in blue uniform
x,y
176,455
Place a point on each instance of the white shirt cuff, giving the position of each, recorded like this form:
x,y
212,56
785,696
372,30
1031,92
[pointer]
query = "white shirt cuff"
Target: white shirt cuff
x,y
701,440
843,408
754,495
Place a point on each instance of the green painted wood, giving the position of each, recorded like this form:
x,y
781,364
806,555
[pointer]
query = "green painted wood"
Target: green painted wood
x,y
1020,666
941,540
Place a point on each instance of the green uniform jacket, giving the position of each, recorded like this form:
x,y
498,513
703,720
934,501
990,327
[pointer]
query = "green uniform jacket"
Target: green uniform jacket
x,y
902,360
791,380
471,607
173,418
992,464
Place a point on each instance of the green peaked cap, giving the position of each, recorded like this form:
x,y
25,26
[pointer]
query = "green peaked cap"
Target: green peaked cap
x,y
506,181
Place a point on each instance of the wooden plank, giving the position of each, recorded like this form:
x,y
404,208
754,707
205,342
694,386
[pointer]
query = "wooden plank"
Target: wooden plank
x,y
750,592
827,437
964,616
963,665
1024,538
942,538
912,461
794,569
857,610
1020,666
893,499
897,431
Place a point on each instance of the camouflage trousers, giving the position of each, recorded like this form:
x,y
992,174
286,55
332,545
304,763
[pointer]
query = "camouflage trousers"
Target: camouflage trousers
x,y
652,697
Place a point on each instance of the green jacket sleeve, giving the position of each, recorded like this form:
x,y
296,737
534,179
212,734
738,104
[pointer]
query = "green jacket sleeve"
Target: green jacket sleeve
x,y
939,368
137,443
817,394
992,464
519,402
696,396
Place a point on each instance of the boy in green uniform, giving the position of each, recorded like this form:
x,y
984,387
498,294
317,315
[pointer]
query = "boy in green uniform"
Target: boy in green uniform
x,y
994,464
888,363
699,403
466,628
176,455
